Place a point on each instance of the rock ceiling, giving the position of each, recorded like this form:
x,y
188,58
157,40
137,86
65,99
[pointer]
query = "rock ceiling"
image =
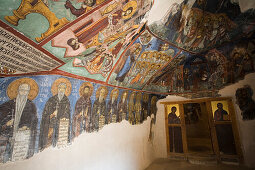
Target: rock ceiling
x,y
196,48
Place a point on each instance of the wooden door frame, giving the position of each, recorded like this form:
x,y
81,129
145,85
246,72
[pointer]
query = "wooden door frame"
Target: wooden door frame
x,y
211,123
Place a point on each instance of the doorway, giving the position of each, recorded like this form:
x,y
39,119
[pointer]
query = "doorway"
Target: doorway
x,y
197,128
203,128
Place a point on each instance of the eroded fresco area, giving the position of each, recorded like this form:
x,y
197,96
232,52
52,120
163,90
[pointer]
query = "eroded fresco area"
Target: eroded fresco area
x,y
38,112
201,25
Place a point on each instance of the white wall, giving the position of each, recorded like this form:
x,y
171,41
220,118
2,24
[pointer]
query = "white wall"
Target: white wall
x,y
246,128
118,146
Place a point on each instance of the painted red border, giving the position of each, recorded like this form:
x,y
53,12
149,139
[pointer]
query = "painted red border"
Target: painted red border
x,y
131,43
65,27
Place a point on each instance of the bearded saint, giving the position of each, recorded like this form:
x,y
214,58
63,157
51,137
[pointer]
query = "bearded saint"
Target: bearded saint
x,y
122,107
56,110
82,115
99,109
17,116
112,108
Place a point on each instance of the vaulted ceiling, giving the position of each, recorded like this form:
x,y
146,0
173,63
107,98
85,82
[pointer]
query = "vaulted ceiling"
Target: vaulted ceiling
x,y
194,48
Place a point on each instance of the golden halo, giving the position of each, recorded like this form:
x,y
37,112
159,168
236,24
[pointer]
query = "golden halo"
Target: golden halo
x,y
54,87
12,90
114,90
132,4
81,90
99,89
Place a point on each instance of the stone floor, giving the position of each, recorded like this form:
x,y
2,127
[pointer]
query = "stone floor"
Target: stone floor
x,y
168,164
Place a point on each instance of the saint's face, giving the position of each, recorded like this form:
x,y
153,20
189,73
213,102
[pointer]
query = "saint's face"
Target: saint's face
x,y
132,96
173,109
23,89
102,92
219,105
61,88
114,95
86,90
124,96
89,2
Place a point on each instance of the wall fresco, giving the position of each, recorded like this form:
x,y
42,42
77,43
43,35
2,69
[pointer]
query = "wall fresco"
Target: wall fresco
x,y
202,25
146,56
245,102
38,112
210,71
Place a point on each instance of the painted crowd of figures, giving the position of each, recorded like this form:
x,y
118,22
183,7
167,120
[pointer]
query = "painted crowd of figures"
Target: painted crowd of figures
x,y
19,119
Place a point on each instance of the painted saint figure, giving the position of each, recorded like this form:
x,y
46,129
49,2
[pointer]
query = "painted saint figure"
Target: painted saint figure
x,y
245,102
122,107
82,115
54,128
112,107
220,113
153,107
145,106
131,108
138,108
175,133
18,121
172,117
131,56
99,109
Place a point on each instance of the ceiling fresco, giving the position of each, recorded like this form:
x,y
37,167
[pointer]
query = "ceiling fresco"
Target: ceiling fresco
x,y
204,24
195,49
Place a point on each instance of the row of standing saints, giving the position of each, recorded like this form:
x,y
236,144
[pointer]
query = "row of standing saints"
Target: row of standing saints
x,y
19,120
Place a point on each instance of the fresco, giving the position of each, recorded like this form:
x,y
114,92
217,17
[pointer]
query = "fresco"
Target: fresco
x,y
210,71
201,25
196,49
38,112
245,102
94,43
146,56
50,15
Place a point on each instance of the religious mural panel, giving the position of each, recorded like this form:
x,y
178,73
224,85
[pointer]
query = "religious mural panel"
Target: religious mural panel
x,y
146,56
200,25
57,13
93,43
38,112
189,74
220,110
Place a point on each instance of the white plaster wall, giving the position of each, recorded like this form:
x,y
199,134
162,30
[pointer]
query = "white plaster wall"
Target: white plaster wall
x,y
246,128
118,146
